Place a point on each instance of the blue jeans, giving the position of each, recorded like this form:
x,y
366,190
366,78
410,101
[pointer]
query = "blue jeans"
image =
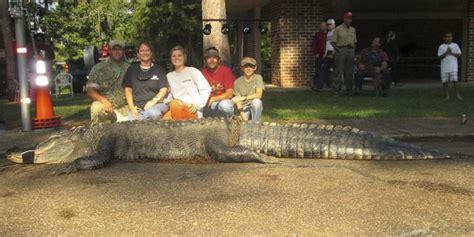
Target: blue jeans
x,y
154,113
322,72
254,110
221,108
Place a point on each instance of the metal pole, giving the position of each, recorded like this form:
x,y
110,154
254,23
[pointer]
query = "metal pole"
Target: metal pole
x,y
22,71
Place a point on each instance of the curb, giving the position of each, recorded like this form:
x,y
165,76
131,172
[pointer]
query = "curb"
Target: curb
x,y
433,137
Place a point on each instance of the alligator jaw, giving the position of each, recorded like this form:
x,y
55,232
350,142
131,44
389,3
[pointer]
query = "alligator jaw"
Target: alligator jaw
x,y
15,155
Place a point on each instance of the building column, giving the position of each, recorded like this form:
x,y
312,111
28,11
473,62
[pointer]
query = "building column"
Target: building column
x,y
293,26
253,39
469,43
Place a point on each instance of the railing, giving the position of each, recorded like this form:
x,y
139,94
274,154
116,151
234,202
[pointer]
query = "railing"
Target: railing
x,y
419,67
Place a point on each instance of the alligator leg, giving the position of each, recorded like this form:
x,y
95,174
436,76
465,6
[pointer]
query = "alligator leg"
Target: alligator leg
x,y
102,158
235,154
84,163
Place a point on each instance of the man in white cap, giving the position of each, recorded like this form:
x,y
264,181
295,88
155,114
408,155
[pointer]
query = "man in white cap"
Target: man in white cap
x,y
328,63
330,24
104,86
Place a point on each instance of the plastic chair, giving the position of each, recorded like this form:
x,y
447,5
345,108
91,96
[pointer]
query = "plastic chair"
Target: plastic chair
x,y
63,80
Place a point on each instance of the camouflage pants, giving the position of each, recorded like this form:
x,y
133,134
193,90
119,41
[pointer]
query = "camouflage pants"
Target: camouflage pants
x,y
99,115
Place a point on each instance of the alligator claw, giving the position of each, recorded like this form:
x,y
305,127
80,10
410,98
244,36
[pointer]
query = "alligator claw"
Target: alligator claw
x,y
65,170
269,160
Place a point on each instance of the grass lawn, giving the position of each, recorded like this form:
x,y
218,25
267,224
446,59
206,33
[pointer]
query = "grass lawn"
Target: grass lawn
x,y
69,108
304,106
402,103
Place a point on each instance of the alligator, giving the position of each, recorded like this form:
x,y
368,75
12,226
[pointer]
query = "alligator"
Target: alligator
x,y
221,140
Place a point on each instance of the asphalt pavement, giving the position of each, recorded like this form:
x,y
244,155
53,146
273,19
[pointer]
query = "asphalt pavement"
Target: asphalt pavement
x,y
299,197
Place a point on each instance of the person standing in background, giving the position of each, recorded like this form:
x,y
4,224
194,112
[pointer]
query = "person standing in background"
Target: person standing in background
x,y
318,47
393,52
344,41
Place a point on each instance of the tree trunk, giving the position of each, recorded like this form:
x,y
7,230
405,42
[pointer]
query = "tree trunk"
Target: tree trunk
x,y
216,9
9,54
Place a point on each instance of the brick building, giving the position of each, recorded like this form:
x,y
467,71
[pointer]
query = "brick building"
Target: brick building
x,y
418,24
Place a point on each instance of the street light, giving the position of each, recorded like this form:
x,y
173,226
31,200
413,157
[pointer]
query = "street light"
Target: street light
x,y
207,29
263,29
15,8
246,29
225,29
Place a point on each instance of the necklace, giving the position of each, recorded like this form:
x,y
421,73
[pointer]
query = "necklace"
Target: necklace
x,y
146,69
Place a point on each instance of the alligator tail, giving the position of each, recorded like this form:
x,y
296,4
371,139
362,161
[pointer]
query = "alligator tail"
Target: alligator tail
x,y
327,142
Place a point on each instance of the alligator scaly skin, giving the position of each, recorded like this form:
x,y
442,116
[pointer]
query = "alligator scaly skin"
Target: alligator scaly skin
x,y
95,146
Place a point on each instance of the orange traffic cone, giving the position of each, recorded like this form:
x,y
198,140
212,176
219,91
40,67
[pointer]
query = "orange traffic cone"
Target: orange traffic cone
x,y
45,117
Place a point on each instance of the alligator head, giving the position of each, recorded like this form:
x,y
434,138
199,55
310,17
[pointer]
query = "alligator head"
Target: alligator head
x,y
61,148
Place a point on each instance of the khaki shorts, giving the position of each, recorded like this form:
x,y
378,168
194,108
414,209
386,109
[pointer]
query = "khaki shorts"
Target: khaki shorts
x,y
99,115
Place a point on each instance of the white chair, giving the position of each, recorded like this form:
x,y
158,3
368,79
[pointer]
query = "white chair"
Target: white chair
x,y
63,80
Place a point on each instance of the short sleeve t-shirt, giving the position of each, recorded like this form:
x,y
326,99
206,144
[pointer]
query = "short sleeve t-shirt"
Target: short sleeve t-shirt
x,y
449,63
145,84
344,36
219,80
243,87
328,41
375,58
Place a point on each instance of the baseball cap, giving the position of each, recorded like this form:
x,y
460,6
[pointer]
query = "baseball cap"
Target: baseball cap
x,y
330,21
116,42
211,52
348,15
248,60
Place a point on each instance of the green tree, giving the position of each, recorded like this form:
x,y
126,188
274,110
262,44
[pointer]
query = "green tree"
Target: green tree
x,y
167,24
76,24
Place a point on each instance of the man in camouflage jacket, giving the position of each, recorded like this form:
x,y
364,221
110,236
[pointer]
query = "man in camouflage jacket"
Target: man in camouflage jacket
x,y
104,86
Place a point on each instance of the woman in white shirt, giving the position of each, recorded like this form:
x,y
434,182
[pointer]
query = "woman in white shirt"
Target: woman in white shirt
x,y
189,88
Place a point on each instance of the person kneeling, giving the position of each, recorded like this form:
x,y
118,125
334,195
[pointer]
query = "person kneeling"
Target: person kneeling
x,y
248,91
145,86
189,88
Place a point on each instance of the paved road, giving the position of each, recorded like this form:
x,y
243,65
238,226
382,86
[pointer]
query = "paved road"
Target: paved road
x,y
297,197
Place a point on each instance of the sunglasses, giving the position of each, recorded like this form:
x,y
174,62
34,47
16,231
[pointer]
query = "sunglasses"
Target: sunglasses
x,y
249,65
143,78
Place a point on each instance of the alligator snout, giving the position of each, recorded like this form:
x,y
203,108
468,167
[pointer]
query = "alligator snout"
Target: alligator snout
x,y
16,155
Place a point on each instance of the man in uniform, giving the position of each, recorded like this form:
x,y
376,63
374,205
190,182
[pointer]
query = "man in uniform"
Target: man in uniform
x,y
104,86
344,40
